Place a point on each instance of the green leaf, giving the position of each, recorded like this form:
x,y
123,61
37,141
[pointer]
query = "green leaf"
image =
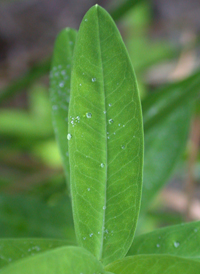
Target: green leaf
x,y
164,145
106,139
63,260
165,100
60,90
181,240
16,249
167,114
123,7
154,264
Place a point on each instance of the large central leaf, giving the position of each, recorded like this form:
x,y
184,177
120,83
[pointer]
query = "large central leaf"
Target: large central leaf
x,y
105,139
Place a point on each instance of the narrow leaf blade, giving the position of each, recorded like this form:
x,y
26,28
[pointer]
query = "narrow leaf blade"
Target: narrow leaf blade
x,y
70,260
106,139
154,264
167,114
164,145
180,240
60,90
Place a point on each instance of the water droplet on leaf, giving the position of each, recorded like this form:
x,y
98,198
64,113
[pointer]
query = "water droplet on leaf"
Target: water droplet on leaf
x,y
88,115
61,84
176,244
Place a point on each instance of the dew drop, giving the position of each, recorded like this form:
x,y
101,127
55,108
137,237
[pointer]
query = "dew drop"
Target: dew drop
x,y
69,136
88,115
80,85
104,207
195,230
123,147
91,235
176,244
123,125
63,72
119,125
109,105
114,133
108,137
110,121
102,164
157,245
61,84
84,238
99,232
88,189
93,79
86,20
104,111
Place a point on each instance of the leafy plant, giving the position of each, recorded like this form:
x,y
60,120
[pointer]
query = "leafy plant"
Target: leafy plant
x,y
92,74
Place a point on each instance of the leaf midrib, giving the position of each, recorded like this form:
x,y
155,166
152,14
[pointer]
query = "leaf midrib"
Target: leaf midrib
x,y
106,166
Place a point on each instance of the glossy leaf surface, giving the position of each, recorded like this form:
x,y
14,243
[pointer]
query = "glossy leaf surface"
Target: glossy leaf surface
x,y
154,264
105,139
181,240
60,90
16,249
63,260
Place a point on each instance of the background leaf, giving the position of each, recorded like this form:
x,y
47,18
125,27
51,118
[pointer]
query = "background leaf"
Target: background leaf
x,y
72,260
164,124
60,90
154,264
164,145
106,139
16,249
181,240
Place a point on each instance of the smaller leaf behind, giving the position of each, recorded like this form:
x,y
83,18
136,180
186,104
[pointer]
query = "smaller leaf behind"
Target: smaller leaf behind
x,y
60,90
180,240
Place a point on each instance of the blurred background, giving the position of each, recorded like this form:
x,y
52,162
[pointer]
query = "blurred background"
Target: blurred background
x,y
163,40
